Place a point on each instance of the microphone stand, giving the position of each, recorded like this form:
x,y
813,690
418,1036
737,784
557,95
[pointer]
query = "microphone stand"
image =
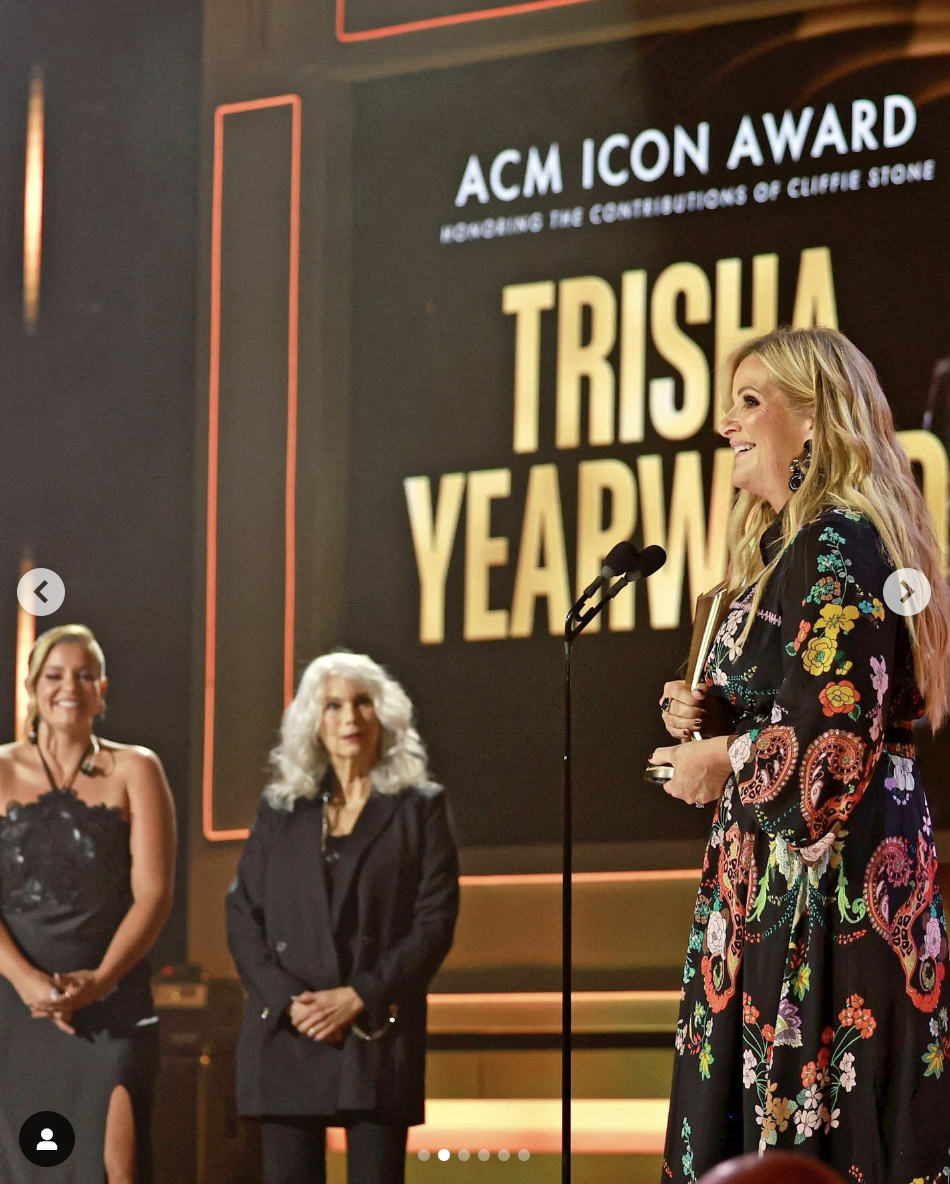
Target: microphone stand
x,y
575,624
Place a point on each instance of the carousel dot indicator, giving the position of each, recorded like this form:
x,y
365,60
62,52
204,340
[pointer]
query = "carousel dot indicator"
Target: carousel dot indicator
x,y
483,1155
504,1155
445,1154
524,1155
464,1155
423,1155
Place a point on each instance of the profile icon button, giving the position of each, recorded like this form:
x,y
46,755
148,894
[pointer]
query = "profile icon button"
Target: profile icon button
x,y
47,1139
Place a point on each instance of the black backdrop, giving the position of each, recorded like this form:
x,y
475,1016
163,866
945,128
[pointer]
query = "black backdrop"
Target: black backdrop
x,y
98,423
433,360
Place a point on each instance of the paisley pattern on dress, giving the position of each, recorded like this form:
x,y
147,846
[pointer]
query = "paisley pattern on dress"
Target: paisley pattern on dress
x,y
725,926
815,990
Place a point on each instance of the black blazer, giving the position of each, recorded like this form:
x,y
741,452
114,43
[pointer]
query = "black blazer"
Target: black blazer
x,y
402,864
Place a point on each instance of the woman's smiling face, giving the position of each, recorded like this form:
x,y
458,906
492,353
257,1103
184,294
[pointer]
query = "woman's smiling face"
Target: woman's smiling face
x,y
764,433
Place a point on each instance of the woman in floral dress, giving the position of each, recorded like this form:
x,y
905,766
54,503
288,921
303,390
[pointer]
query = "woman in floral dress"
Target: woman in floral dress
x,y
816,994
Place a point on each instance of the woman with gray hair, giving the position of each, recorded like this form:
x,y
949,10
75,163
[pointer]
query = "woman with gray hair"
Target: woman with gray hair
x,y
336,965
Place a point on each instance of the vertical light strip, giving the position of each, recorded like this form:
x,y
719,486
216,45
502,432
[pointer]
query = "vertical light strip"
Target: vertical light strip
x,y
214,406
33,202
25,637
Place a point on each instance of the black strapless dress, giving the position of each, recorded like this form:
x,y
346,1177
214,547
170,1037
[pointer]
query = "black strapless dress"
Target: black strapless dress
x,y
64,890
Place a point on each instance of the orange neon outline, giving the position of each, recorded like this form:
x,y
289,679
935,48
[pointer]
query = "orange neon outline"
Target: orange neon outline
x,y
511,879
25,639
214,392
33,197
538,998
436,22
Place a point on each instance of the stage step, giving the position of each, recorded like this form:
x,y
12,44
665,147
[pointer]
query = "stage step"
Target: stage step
x,y
491,1045
613,1140
631,1073
630,932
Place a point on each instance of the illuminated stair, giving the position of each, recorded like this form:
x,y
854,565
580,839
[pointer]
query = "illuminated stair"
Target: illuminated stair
x,y
494,1073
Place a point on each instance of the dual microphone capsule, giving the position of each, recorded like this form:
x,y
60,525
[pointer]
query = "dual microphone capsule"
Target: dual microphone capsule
x,y
623,559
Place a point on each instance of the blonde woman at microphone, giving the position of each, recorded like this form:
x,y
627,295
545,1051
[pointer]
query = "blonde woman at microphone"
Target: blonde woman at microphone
x,y
816,994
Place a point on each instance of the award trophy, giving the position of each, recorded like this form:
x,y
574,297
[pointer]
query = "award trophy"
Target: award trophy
x,y
710,612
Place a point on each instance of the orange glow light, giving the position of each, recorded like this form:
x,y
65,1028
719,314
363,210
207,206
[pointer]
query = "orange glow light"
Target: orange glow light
x,y
214,397
510,880
33,203
437,22
25,636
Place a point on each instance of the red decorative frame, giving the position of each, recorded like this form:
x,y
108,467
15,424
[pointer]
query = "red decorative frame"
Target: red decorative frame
x,y
214,391
439,22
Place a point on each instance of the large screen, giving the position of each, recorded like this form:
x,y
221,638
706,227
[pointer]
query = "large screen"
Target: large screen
x,y
552,256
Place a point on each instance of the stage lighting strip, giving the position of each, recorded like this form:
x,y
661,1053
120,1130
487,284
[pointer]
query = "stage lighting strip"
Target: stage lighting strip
x,y
600,1126
25,637
518,1012
33,201
214,392
441,22
652,876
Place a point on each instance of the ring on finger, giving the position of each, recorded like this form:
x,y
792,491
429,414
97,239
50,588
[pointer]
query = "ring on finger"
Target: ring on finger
x,y
665,703
312,1029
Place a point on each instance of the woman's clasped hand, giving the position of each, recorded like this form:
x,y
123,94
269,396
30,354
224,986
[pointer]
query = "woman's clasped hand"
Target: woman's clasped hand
x,y
58,997
325,1015
684,711
701,769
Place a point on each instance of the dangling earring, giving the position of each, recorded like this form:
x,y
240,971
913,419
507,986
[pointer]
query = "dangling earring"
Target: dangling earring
x,y
798,468
33,734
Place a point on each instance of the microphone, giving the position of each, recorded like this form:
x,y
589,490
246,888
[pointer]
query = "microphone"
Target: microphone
x,y
649,560
620,559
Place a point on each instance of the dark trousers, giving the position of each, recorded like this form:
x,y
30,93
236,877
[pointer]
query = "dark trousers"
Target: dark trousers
x,y
295,1150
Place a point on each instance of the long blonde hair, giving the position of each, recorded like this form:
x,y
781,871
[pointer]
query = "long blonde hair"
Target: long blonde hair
x,y
857,464
43,647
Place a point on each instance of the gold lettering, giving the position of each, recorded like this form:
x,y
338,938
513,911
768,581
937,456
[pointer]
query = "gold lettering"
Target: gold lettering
x,y
526,302
595,537
730,331
542,557
433,536
680,351
815,291
483,551
688,534
633,326
577,360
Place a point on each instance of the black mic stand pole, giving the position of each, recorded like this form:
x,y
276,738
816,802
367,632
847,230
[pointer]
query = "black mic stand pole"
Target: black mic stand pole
x,y
574,625
567,904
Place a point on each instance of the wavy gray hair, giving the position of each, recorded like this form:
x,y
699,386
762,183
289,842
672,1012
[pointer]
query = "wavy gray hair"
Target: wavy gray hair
x,y
300,760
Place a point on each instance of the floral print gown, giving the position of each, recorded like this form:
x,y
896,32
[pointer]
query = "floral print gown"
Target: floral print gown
x,y
815,998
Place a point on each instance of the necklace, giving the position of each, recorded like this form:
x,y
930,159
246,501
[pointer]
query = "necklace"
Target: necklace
x,y
337,801
87,766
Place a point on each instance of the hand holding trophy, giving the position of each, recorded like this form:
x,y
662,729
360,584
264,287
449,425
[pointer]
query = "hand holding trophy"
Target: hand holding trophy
x,y
710,611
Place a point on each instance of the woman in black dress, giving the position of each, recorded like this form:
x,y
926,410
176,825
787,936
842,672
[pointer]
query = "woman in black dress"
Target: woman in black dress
x,y
336,965
87,848
816,993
